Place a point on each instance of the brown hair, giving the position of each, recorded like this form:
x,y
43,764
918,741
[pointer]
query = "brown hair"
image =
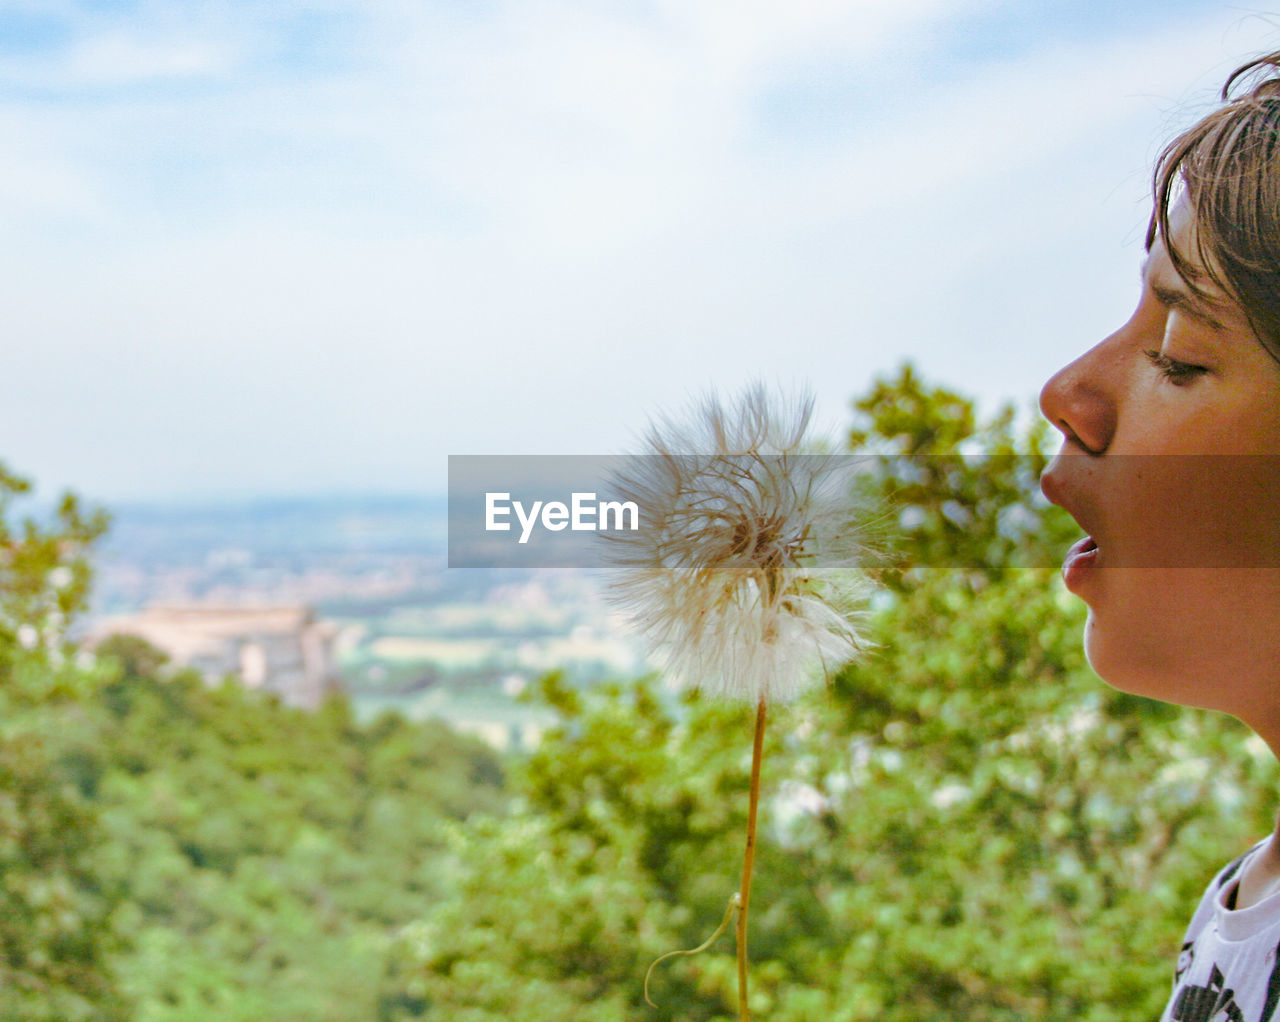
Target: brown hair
x,y
1228,163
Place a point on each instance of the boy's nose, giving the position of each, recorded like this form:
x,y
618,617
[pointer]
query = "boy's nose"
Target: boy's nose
x,y
1078,401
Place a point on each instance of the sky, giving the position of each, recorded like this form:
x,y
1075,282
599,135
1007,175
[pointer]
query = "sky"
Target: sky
x,y
273,248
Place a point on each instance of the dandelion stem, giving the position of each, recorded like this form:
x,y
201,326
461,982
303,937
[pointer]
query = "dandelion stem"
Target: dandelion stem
x,y
748,860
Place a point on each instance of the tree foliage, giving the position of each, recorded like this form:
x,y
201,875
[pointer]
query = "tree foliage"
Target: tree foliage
x,y
269,853
56,936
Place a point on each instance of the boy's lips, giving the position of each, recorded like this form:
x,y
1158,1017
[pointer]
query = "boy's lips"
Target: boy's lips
x,y
1084,553
1080,547
1081,557
1052,484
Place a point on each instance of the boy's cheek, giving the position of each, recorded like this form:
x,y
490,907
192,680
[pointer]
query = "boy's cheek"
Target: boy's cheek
x,y
1192,512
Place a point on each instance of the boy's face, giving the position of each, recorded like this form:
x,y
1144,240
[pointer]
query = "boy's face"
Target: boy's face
x,y
1171,462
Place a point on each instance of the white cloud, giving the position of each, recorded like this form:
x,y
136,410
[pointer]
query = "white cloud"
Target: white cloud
x,y
523,229
37,180
119,58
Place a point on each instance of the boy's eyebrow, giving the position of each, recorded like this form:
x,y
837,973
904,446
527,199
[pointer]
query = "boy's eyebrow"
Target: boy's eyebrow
x,y
1187,304
1193,306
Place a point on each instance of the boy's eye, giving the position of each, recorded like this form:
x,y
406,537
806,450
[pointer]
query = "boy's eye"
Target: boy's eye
x,y
1173,370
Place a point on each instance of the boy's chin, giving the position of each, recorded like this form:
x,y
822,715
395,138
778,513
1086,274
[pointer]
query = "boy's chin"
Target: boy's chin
x,y
1152,674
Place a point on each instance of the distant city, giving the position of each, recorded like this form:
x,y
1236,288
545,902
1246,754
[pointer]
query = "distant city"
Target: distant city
x,y
299,597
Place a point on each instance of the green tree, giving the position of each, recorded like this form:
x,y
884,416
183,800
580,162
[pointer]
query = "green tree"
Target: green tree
x,y
56,934
268,853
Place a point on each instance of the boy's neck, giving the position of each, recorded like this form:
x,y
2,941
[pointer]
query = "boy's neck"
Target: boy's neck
x,y
1260,877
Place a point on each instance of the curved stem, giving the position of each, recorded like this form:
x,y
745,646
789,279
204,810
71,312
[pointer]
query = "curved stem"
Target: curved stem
x,y
748,860
724,925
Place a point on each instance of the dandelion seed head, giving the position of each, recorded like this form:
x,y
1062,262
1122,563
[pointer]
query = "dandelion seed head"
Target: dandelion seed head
x,y
744,579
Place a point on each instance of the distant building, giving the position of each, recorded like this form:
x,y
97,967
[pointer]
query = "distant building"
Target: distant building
x,y
279,649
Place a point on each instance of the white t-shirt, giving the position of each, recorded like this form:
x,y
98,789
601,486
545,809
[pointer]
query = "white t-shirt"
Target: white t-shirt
x,y
1228,971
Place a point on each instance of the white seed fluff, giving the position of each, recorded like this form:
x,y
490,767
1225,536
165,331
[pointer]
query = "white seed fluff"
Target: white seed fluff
x,y
743,577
